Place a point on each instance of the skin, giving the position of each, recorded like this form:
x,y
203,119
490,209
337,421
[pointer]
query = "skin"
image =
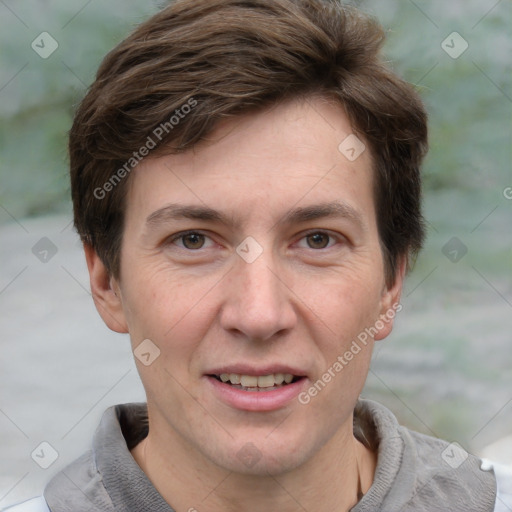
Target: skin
x,y
298,303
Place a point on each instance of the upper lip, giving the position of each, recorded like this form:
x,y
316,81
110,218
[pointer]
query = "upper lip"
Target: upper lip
x,y
247,369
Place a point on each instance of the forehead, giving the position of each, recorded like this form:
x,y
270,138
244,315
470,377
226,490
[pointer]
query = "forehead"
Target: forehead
x,y
295,155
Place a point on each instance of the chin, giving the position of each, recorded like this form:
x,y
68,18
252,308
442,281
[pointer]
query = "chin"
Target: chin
x,y
264,455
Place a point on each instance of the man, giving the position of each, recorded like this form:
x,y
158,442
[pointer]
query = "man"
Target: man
x,y
245,180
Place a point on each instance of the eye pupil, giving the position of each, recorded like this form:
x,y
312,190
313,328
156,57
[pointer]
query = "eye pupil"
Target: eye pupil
x,y
318,240
193,241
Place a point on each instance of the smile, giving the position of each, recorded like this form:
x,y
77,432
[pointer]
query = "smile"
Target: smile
x,y
257,393
256,383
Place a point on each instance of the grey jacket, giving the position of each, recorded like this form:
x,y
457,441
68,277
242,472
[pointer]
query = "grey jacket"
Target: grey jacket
x,y
415,473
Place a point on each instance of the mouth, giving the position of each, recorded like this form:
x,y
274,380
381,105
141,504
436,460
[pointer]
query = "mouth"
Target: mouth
x,y
256,383
266,388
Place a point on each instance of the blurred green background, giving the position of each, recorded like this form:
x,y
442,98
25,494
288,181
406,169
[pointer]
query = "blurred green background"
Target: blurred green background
x,y
447,369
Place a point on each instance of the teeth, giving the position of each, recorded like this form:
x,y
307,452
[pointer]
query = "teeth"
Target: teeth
x,y
248,381
261,381
267,381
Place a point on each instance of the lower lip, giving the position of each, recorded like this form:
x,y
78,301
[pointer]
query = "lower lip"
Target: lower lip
x,y
256,400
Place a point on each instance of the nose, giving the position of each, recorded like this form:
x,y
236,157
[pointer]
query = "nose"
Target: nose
x,y
258,303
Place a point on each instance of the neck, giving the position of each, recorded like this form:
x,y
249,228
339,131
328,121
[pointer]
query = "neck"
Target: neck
x,y
336,476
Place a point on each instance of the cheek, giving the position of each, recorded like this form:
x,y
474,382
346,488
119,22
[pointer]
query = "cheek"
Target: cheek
x,y
344,300
173,316
165,307
345,308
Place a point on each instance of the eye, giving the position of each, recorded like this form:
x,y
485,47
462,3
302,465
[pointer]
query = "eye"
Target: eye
x,y
317,240
191,240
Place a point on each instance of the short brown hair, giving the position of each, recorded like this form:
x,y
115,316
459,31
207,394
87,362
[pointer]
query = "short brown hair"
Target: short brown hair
x,y
228,57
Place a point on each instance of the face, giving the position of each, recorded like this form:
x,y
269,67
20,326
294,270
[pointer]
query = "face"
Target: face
x,y
253,258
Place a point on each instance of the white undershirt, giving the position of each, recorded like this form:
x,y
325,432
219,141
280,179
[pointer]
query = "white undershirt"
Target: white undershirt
x,y
504,484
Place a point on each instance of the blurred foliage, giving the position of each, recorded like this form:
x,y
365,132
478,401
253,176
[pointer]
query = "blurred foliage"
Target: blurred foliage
x,y
469,98
38,96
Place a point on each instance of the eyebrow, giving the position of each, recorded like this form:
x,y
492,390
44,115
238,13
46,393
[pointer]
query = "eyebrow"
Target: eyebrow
x,y
172,212
336,209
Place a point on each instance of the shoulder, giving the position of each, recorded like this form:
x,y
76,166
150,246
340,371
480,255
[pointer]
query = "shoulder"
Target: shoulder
x,y
437,468
33,505
454,456
420,473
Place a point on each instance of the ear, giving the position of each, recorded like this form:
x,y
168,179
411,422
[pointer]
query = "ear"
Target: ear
x,y
390,302
105,292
